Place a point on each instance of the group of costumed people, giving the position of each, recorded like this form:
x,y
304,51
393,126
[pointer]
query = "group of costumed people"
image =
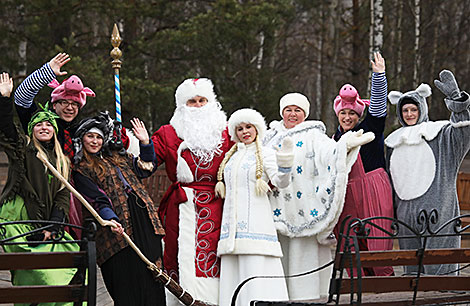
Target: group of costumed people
x,y
245,200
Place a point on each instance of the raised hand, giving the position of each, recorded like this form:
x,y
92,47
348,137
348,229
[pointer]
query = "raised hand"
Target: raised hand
x,y
285,155
58,61
140,131
6,84
447,84
378,64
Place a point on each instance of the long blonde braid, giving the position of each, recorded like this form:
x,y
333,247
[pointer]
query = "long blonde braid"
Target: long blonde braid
x,y
220,186
261,187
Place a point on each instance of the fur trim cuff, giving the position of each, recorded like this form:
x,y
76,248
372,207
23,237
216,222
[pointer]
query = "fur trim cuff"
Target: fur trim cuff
x,y
183,172
460,124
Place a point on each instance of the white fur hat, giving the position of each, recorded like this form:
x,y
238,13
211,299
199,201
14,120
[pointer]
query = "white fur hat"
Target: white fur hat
x,y
297,99
194,87
246,115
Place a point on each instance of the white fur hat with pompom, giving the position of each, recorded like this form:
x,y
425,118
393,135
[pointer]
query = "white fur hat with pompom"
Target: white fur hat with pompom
x,y
246,115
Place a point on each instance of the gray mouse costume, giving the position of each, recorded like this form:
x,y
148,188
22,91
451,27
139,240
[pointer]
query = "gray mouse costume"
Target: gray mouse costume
x,y
424,160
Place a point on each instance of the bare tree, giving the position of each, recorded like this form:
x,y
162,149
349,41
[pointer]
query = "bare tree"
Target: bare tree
x,y
417,62
376,30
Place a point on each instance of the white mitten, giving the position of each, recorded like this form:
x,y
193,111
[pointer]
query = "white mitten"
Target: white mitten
x,y
330,241
285,155
358,138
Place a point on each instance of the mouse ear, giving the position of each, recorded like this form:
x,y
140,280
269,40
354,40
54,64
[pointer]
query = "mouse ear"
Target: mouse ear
x,y
394,96
424,90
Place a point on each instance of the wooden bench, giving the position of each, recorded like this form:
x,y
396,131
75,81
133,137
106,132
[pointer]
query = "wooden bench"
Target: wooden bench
x,y
349,287
82,288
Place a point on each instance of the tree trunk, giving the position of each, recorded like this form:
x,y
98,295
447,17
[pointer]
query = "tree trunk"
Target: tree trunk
x,y
416,66
327,114
376,31
317,109
356,55
23,44
398,44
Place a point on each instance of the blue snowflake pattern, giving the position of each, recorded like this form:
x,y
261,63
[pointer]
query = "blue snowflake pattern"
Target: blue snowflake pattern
x,y
299,194
328,190
225,227
329,168
277,212
314,212
299,169
316,189
299,144
242,225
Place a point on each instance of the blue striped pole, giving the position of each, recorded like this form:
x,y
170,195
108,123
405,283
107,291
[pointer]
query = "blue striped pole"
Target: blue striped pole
x,y
117,91
116,54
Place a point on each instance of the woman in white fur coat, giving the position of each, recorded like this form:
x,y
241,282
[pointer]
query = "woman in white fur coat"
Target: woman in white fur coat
x,y
248,244
306,212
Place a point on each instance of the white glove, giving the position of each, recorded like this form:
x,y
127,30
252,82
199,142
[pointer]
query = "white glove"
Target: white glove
x,y
358,138
285,155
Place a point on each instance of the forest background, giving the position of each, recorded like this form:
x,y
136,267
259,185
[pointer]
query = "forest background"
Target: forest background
x,y
254,51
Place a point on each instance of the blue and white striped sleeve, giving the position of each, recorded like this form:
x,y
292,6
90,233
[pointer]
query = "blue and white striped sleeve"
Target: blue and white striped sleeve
x,y
378,95
29,88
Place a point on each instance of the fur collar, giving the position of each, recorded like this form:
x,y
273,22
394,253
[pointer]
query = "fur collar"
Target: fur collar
x,y
279,126
416,134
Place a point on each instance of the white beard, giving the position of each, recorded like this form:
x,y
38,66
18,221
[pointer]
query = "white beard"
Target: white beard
x,y
201,128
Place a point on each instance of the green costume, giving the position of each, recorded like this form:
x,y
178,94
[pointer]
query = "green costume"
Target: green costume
x,y
31,193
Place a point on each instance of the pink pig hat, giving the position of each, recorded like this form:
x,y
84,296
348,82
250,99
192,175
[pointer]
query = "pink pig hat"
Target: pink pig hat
x,y
70,89
349,98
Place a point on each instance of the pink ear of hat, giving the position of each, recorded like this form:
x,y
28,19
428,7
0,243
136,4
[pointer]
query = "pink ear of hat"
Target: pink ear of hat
x,y
53,84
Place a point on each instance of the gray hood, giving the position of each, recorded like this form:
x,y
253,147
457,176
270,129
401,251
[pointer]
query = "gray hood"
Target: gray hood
x,y
417,97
